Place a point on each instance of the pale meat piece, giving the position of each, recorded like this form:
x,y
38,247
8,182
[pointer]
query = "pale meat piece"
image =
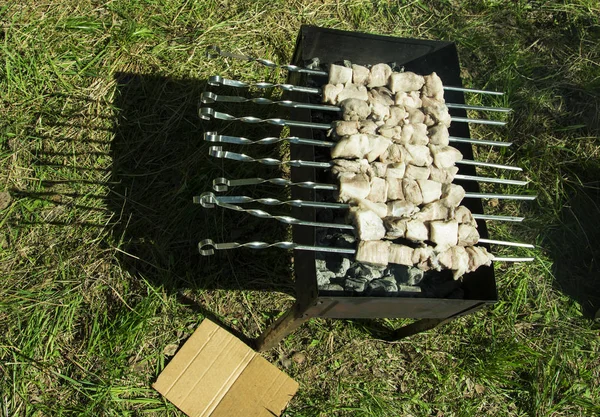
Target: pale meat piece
x,y
331,92
405,82
378,192
373,252
396,170
443,233
419,155
433,211
429,120
379,112
456,259
379,75
467,235
478,256
416,173
437,110
381,95
364,204
443,176
394,133
368,225
360,75
406,136
345,128
415,115
339,74
439,135
351,147
419,136
445,156
353,186
412,99
452,195
360,166
400,254
397,116
395,227
411,191
464,216
395,189
416,231
430,190
433,87
394,153
354,109
422,257
353,91
368,127
402,208
379,169
377,145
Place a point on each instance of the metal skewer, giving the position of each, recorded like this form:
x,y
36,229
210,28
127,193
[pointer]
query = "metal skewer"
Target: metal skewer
x,y
210,98
218,152
214,51
237,140
207,247
208,200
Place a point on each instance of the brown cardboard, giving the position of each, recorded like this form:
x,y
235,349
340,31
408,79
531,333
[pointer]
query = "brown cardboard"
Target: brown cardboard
x,y
215,374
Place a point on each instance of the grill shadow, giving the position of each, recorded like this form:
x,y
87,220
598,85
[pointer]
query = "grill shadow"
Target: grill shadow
x,y
160,161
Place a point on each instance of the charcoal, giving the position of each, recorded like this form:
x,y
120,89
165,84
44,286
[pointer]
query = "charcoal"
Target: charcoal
x,y
367,272
383,286
405,275
357,284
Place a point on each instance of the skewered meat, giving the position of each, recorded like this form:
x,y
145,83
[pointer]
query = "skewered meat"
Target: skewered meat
x,y
433,211
405,82
478,256
467,235
345,128
416,173
368,225
379,75
364,204
381,95
415,115
351,147
416,231
430,190
379,169
439,135
353,186
397,116
395,227
395,189
419,136
396,170
360,74
400,255
352,166
422,257
373,252
437,110
433,87
379,112
412,99
455,258
402,208
394,133
378,192
441,175
331,93
444,233
464,216
418,155
353,91
406,135
354,109
445,156
394,153
339,74
452,195
411,191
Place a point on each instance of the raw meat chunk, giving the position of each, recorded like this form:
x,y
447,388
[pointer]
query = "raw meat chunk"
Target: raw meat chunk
x,y
395,188
379,112
412,192
464,215
437,110
354,109
439,135
415,115
397,116
377,145
422,257
394,133
433,211
368,127
345,128
360,74
430,190
433,87
353,91
445,156
364,204
373,252
378,192
351,166
331,92
478,256
443,233
452,195
379,75
400,254
394,153
405,82
368,224
444,176
401,208
418,155
395,227
416,231
396,170
353,186
339,74
379,169
419,136
351,147
467,235
416,173
412,99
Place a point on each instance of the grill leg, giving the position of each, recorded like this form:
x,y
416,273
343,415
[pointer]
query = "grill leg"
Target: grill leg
x,y
417,327
284,325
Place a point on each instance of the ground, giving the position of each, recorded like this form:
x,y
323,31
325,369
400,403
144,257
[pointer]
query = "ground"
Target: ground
x,y
101,151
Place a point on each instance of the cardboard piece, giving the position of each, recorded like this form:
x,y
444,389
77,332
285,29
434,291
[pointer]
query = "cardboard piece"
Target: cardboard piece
x,y
215,374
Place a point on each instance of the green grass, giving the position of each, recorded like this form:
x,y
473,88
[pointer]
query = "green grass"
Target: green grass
x,y
101,150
